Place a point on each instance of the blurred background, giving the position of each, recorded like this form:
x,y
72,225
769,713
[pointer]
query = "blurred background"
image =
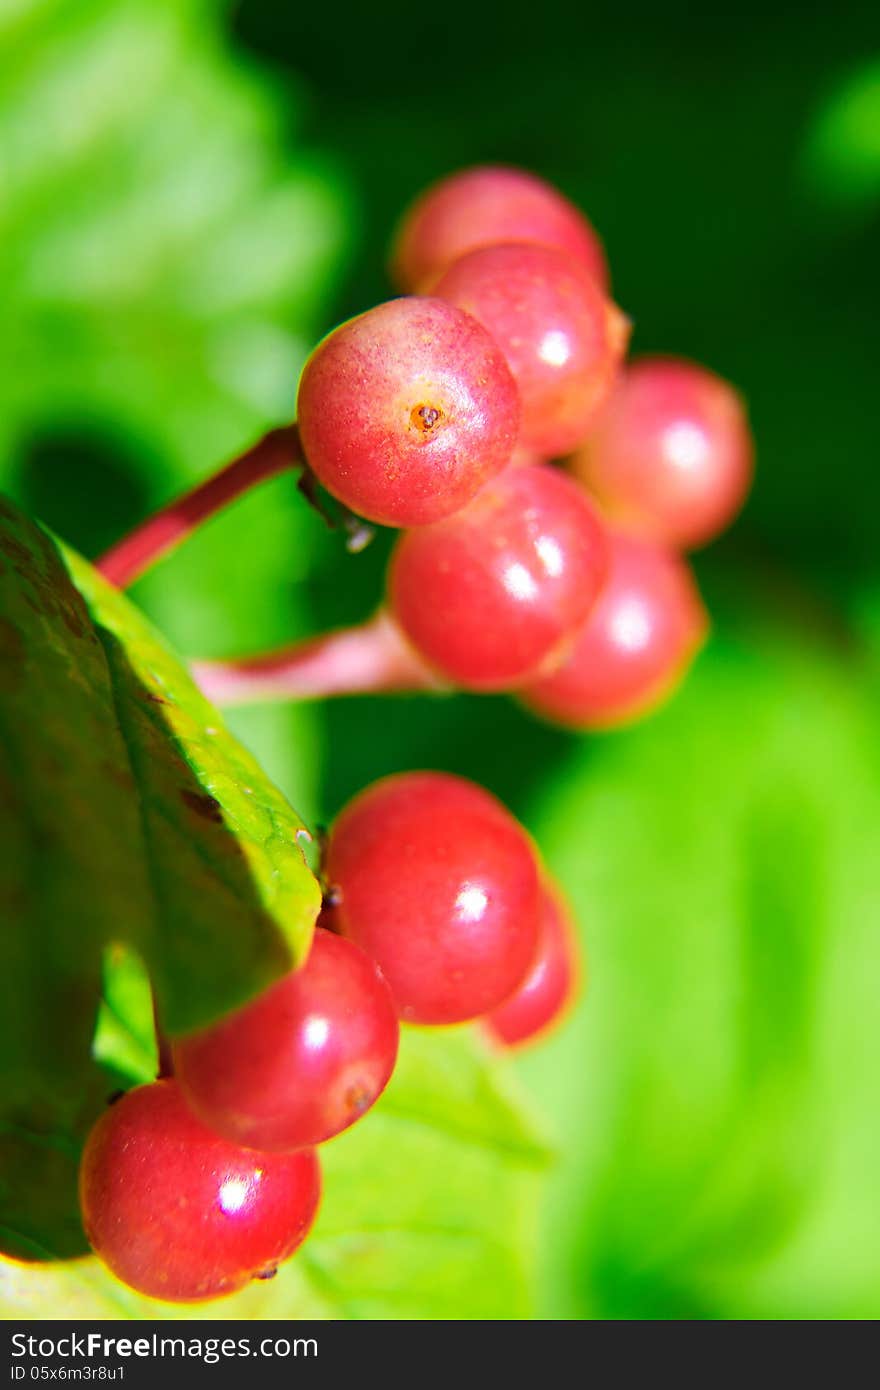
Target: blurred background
x,y
192,192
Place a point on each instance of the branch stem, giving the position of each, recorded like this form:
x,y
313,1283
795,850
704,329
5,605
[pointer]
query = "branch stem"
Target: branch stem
x,y
372,658
162,532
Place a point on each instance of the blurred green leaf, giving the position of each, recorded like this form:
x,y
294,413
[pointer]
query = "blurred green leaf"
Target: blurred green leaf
x,y
842,153
167,250
428,1212
151,221
716,1095
130,815
866,618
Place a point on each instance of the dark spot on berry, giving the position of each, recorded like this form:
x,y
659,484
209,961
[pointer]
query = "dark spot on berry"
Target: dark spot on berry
x,y
204,805
267,1273
358,1099
426,418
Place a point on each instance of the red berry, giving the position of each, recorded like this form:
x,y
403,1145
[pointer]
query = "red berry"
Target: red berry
x,y
544,995
180,1214
562,338
489,595
523,455
407,410
671,457
301,1062
485,206
635,645
438,882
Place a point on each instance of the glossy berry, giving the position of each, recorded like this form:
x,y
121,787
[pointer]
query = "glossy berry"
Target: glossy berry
x,y
488,596
635,645
301,1062
671,457
483,207
180,1214
439,884
542,999
562,337
407,410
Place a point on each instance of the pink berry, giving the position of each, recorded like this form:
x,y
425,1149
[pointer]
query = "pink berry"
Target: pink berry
x,y
180,1214
405,411
301,1062
671,457
439,884
542,999
523,455
485,206
635,645
562,338
491,594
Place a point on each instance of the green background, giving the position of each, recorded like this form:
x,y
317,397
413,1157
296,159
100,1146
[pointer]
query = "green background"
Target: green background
x,y
195,192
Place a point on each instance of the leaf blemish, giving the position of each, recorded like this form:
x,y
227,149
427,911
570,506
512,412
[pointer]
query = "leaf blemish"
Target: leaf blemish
x,y
208,807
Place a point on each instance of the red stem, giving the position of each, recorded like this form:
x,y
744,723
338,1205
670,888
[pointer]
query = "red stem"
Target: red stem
x,y
371,658
164,530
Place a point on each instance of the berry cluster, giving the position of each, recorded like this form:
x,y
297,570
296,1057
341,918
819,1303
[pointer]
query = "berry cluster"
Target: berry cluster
x,y
436,912
445,412
442,412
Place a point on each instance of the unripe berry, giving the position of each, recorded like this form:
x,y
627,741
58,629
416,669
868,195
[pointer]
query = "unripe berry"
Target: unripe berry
x,y
562,338
405,411
439,884
301,1062
483,207
671,456
634,647
180,1214
492,593
543,998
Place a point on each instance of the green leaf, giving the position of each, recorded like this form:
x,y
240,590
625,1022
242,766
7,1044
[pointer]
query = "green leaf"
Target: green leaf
x,y
160,228
842,152
130,815
428,1212
73,875
716,1094
223,847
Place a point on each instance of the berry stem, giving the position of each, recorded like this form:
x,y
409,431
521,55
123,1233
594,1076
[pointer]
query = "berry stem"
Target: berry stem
x,y
368,659
162,532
